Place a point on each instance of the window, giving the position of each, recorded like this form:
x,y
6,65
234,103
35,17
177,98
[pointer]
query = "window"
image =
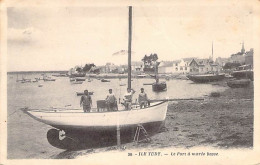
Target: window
x,y
181,68
176,64
185,68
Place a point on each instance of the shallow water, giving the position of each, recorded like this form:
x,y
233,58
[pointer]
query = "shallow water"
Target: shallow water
x,y
27,137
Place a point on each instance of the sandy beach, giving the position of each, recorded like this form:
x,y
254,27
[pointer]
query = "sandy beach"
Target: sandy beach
x,y
224,122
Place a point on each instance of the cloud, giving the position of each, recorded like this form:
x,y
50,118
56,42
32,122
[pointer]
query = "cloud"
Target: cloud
x,y
26,36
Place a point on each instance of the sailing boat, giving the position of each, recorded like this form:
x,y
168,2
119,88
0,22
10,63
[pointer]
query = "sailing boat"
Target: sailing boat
x,y
75,129
158,86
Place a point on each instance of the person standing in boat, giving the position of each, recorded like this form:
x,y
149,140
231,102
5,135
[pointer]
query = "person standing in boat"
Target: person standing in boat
x,y
86,101
111,101
143,99
128,98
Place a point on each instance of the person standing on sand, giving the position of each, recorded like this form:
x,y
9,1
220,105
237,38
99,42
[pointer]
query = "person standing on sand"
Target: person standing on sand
x,y
86,101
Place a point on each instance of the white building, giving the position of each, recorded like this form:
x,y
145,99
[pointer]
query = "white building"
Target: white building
x,y
165,67
182,66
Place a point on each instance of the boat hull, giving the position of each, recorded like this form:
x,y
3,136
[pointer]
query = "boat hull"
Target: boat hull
x,y
98,129
78,120
206,78
239,83
157,87
243,74
100,137
103,80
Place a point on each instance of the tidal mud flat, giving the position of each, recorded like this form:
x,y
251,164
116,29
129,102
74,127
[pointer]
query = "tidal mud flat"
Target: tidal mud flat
x,y
224,122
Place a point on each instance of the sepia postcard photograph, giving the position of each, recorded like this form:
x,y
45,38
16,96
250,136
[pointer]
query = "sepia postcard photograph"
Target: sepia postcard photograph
x,y
139,82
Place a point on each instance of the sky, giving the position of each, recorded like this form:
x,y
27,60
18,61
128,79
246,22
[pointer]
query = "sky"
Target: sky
x,y
59,38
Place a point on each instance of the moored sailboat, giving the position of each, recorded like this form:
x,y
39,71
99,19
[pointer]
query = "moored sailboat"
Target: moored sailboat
x,y
204,78
158,86
76,129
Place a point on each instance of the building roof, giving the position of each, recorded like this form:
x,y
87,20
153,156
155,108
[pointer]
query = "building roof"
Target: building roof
x,y
189,59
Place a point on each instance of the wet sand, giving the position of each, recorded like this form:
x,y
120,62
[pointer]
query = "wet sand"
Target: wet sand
x,y
223,122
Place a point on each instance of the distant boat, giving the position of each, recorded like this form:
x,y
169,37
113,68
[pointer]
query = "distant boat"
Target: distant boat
x,y
242,83
71,75
161,86
204,78
228,76
61,75
46,78
34,80
104,80
244,72
49,79
38,78
153,76
122,84
76,82
80,78
158,86
40,85
26,80
141,76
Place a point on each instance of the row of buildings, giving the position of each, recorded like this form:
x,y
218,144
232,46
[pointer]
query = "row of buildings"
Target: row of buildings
x,y
195,65
186,65
183,66
243,57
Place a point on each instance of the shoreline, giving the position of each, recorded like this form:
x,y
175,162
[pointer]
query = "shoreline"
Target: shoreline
x,y
223,122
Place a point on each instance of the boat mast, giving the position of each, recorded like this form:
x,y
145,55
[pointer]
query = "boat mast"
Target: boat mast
x,y
212,51
129,46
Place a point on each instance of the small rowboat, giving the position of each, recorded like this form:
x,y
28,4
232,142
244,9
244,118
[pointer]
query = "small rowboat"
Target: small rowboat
x,y
160,86
76,82
104,80
141,76
242,83
80,78
49,79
